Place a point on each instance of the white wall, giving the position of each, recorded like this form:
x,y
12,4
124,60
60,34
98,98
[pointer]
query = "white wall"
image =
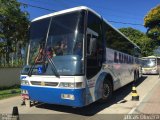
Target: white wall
x,y
9,76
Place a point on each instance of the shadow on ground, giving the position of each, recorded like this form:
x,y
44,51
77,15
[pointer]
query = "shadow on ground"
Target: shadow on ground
x,y
95,107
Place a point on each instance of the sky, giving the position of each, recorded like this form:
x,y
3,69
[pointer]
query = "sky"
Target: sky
x,y
118,12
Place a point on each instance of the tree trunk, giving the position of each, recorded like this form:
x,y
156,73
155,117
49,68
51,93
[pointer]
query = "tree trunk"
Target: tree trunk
x,y
7,55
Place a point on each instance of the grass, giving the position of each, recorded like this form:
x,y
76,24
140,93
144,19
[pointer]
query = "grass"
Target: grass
x,y
9,92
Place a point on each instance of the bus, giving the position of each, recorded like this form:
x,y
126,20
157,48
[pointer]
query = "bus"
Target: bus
x,y
150,65
56,71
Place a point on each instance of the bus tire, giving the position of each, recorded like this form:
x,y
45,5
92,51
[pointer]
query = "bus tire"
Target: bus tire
x,y
107,90
136,76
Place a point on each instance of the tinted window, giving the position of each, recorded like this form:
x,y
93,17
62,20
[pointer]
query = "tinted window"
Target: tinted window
x,y
38,32
94,45
150,62
116,41
94,23
63,47
66,34
38,29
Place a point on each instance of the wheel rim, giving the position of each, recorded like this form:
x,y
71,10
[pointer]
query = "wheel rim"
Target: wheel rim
x,y
106,91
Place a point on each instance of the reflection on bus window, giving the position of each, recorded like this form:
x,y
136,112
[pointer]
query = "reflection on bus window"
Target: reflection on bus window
x,y
149,63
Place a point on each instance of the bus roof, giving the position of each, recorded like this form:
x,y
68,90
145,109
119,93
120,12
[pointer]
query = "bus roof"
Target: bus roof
x,y
66,11
150,57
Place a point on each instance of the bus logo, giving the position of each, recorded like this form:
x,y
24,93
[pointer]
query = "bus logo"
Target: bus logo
x,y
42,83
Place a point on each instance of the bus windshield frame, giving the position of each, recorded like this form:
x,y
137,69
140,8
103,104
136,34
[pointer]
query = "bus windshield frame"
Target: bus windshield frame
x,y
62,36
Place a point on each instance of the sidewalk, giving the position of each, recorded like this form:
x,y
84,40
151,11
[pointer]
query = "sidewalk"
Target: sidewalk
x,y
151,103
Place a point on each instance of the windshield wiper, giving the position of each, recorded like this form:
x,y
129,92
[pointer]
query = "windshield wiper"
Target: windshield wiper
x,y
31,69
32,66
39,56
54,69
42,55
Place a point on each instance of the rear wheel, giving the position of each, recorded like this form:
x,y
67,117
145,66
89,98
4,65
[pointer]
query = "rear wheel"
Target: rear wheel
x,y
136,76
107,90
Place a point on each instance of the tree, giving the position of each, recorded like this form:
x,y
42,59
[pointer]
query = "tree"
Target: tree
x,y
132,34
13,25
146,44
152,23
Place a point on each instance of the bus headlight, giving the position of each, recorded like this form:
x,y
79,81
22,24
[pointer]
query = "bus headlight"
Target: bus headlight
x,y
66,85
24,92
71,85
79,84
24,82
154,71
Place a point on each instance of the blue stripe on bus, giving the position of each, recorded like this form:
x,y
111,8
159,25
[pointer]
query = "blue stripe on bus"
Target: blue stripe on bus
x,y
53,95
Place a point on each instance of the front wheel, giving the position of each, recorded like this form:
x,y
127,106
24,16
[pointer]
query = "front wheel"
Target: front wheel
x,y
107,90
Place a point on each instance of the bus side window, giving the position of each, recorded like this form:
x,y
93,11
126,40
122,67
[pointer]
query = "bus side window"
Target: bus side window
x,y
91,45
88,43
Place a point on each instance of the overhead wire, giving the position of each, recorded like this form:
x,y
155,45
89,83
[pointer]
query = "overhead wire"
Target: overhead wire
x,y
37,7
125,23
109,9
129,15
112,21
119,22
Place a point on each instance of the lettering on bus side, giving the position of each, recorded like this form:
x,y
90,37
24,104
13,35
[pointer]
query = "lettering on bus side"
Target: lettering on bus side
x,y
122,58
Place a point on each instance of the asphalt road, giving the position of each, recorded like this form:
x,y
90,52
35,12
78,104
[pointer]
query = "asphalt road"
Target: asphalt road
x,y
120,104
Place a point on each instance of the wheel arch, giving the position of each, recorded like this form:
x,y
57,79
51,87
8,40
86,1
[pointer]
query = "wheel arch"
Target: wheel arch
x,y
104,76
110,78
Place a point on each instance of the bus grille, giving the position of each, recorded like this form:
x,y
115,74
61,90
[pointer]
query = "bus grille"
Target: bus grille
x,y
42,83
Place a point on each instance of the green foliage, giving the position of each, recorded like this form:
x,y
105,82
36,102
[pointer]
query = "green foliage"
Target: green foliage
x,y
152,22
146,44
14,22
10,87
6,93
153,17
132,34
13,27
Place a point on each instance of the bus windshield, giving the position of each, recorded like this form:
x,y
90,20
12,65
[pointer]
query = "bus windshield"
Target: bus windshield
x,y
61,38
147,63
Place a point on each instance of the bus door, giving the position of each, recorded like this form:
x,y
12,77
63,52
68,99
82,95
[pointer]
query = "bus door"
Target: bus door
x,y
94,54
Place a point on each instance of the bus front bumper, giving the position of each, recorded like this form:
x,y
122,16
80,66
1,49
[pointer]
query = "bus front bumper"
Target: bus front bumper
x,y
60,96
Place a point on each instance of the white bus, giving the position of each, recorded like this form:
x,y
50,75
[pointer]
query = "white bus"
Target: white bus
x,y
150,65
75,58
